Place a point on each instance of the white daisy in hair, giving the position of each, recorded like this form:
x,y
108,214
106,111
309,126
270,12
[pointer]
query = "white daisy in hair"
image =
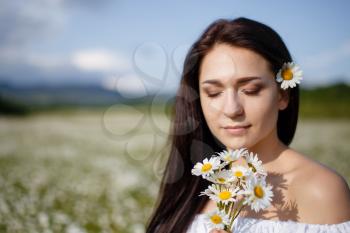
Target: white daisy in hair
x,y
229,156
240,172
217,219
221,177
257,194
289,75
223,194
255,164
207,167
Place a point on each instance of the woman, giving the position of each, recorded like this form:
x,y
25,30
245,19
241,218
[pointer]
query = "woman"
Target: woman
x,y
229,98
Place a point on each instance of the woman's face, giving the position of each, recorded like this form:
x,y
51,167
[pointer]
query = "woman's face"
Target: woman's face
x,y
239,96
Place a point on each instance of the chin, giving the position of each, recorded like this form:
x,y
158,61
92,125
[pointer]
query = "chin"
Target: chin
x,y
236,143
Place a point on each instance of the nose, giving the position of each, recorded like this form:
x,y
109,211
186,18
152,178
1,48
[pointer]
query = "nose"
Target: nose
x,y
232,106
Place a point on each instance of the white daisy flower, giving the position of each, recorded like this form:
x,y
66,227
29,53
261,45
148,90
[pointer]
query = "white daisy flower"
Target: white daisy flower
x,y
258,194
224,195
240,172
289,75
221,177
255,164
229,156
217,220
207,167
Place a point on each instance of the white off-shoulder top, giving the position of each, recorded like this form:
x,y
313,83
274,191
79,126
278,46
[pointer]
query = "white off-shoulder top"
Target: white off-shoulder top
x,y
253,225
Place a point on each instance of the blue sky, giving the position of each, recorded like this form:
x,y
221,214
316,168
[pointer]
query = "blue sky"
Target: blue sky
x,y
136,46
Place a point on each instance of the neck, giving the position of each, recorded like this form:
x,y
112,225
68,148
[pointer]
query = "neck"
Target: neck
x,y
269,149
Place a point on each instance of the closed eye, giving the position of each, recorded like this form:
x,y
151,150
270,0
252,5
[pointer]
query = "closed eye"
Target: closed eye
x,y
251,91
213,95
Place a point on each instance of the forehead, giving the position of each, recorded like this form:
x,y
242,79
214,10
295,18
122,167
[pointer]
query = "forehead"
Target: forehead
x,y
229,62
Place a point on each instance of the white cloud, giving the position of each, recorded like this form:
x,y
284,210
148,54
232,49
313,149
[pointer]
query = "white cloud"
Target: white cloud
x,y
99,60
128,86
36,21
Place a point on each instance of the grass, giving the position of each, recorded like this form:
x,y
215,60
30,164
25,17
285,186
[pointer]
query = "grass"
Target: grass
x,y
92,171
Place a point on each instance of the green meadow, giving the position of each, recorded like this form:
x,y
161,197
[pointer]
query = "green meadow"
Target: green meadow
x,y
91,171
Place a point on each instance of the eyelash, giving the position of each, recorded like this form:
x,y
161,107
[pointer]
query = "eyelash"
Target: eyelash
x,y
249,92
213,95
252,92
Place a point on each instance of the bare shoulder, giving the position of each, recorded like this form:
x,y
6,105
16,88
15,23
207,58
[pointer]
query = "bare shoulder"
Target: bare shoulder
x,y
321,194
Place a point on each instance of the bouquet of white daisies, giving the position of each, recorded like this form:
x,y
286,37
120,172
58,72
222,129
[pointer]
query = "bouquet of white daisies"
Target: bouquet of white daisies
x,y
238,179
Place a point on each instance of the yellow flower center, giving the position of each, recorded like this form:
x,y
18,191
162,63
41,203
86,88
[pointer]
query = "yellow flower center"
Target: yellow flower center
x,y
224,195
238,173
252,167
216,219
221,180
258,191
206,167
287,74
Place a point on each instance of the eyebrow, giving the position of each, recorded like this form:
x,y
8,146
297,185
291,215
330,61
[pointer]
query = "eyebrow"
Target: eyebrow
x,y
217,82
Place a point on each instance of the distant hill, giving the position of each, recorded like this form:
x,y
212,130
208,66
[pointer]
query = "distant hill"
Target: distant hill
x,y
10,107
329,101
82,95
65,96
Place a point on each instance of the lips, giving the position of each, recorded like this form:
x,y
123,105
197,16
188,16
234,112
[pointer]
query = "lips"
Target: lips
x,y
237,127
237,130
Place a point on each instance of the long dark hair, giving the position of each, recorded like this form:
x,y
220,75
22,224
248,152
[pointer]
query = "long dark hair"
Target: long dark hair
x,y
190,138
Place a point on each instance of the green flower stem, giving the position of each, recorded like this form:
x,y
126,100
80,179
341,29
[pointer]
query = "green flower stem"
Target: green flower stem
x,y
228,207
232,204
236,217
236,212
218,204
227,228
239,211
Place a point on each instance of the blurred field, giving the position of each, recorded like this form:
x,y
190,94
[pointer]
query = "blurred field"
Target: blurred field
x,y
92,171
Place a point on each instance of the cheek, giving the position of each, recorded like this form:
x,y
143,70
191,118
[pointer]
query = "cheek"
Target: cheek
x,y
210,111
263,112
211,106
